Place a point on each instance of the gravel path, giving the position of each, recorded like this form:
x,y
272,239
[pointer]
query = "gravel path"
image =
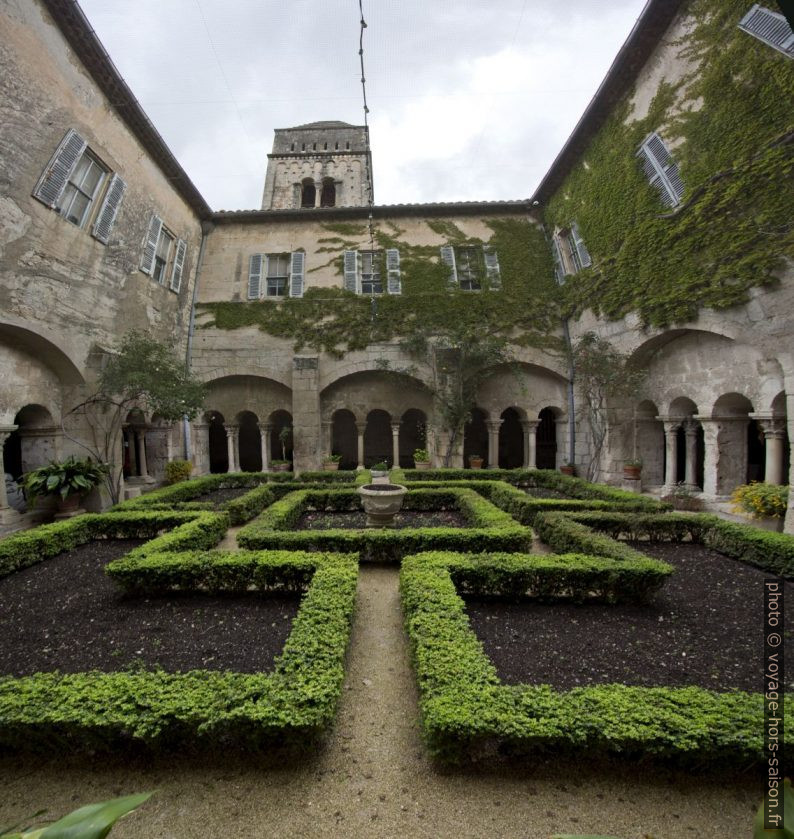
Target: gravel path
x,y
374,780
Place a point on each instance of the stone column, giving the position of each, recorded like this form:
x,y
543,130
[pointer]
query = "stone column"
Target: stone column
x,y
530,443
140,443
328,437
493,443
671,426
264,441
774,436
395,444
691,432
318,192
361,427
306,444
7,514
232,435
711,454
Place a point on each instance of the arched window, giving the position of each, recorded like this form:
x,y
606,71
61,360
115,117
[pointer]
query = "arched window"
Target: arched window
x,y
328,195
308,193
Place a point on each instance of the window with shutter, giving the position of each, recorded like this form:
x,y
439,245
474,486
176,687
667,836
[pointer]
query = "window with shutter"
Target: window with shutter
x,y
770,27
559,266
255,276
661,170
162,256
150,244
448,258
109,209
393,279
583,255
296,274
54,178
351,271
370,280
492,272
179,265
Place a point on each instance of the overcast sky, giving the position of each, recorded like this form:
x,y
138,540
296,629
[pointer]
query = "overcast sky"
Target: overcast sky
x,y
469,99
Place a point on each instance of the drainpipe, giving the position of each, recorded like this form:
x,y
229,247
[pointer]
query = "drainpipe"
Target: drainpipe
x,y
206,228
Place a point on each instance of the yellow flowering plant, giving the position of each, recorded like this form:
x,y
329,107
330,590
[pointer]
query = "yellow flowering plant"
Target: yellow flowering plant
x,y
760,500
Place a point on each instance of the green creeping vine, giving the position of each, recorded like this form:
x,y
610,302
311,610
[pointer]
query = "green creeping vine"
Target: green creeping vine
x,y
576,577
466,710
188,530
489,528
773,552
199,710
734,225
338,321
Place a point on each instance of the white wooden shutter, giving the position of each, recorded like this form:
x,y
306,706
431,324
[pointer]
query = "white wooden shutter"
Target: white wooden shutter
x,y
351,271
54,178
448,258
109,209
661,170
393,279
492,271
179,265
297,267
559,266
150,245
255,276
584,255
770,27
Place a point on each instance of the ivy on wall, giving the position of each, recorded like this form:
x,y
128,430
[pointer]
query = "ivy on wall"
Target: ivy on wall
x,y
336,321
733,116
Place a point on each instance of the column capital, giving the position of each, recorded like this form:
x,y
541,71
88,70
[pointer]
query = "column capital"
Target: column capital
x,y
691,426
395,427
231,429
530,425
6,431
267,427
493,424
361,427
774,428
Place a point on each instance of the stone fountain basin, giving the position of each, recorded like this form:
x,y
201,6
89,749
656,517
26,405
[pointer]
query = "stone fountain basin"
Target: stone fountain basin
x,y
381,503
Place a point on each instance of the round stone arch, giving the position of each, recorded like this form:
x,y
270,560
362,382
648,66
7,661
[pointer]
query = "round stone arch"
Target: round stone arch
x,y
365,390
524,386
231,395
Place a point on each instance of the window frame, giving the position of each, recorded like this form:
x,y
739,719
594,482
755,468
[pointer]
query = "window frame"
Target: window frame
x,y
784,44
374,276
284,276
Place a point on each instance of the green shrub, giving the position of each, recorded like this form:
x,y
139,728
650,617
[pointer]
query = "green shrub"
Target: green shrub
x,y
54,713
64,478
177,471
466,711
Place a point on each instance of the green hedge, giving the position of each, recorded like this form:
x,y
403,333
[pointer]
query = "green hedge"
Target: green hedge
x,y
30,546
292,706
467,712
490,529
341,476
565,533
773,552
552,576
195,488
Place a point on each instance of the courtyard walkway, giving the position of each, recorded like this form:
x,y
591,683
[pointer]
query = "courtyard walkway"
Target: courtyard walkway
x,y
373,779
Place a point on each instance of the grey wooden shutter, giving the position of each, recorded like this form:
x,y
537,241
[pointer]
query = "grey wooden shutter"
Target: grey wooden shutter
x,y
393,279
297,267
559,267
255,276
770,27
54,178
179,265
109,209
351,271
661,170
448,258
492,271
584,255
150,245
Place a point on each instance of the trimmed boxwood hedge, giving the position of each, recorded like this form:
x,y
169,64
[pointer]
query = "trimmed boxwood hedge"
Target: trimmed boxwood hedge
x,y
490,529
189,530
553,576
773,552
467,713
292,706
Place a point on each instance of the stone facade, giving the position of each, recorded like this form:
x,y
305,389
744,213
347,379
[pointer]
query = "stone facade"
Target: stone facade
x,y
715,408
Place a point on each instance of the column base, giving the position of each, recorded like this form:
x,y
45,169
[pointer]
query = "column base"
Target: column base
x,y
9,516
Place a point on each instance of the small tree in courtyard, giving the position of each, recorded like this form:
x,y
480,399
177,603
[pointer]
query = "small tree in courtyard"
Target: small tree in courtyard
x,y
142,373
602,374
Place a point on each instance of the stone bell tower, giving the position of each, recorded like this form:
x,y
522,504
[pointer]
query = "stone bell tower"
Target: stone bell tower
x,y
322,164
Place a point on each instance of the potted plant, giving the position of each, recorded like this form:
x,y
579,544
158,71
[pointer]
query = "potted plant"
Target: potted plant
x,y
764,503
67,481
476,461
379,470
421,459
331,462
568,468
632,469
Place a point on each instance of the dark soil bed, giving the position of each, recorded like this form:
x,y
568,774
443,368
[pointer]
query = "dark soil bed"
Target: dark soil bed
x,y
542,492
66,614
321,520
704,628
220,496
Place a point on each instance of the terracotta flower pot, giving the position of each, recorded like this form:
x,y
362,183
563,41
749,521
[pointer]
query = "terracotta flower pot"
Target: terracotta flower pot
x,y
331,465
632,473
476,462
421,464
568,470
